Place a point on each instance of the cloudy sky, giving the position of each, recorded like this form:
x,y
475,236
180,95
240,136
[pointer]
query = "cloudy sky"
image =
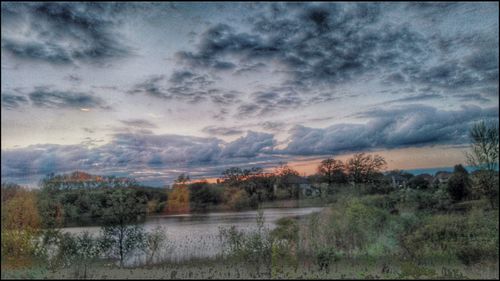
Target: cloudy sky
x,y
151,90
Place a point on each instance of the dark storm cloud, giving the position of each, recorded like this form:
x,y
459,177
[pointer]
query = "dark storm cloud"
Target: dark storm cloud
x,y
13,101
62,33
333,43
326,43
405,126
219,40
50,98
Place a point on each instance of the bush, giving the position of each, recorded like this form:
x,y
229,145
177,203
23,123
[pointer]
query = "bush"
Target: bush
x,y
435,199
458,186
325,257
471,254
286,229
254,248
349,228
283,254
418,182
470,239
387,202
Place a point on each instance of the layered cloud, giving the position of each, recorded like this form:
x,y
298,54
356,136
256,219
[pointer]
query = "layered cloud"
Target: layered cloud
x,y
49,97
185,86
13,101
410,125
62,33
127,153
318,46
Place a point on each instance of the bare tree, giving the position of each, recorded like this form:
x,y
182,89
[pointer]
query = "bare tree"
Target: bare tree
x,y
484,147
363,168
484,156
332,170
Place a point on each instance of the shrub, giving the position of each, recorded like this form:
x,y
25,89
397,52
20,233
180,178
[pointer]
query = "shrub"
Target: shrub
x,y
282,254
286,229
458,184
470,239
418,182
349,228
471,254
387,202
325,257
254,247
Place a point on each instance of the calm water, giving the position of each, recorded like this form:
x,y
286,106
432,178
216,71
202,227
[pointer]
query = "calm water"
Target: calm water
x,y
197,235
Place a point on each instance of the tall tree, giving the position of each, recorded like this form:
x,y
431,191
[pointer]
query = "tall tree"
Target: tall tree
x,y
288,179
458,184
484,145
332,171
364,168
484,156
122,235
20,225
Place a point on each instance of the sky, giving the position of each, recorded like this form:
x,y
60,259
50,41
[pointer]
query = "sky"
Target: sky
x,y
152,90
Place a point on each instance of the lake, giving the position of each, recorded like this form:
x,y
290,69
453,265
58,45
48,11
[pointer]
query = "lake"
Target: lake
x,y
197,235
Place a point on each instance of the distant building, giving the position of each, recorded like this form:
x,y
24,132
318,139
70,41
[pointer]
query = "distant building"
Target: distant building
x,y
442,177
398,181
429,178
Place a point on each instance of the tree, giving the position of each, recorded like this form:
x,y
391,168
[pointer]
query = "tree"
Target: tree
x,y
155,241
484,156
235,176
20,225
332,171
9,190
418,182
288,179
121,236
201,196
364,168
49,206
182,179
178,198
458,184
484,146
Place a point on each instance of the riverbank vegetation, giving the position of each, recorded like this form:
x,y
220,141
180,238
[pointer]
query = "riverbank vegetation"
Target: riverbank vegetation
x,y
373,224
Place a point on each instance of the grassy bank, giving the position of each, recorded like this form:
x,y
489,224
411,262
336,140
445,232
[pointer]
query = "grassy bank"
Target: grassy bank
x,y
368,268
405,233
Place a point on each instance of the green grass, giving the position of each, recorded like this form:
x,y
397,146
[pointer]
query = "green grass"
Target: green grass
x,y
362,268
